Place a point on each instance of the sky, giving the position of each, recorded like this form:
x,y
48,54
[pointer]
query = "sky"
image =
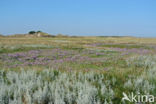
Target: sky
x,y
79,17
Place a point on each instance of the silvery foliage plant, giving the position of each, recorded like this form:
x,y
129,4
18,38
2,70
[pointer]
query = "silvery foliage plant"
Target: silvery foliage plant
x,y
53,87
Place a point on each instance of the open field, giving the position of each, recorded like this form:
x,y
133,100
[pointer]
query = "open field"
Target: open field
x,y
76,70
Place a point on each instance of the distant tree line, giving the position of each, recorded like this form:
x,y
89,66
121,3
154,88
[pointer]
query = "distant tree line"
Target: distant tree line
x,y
43,34
34,32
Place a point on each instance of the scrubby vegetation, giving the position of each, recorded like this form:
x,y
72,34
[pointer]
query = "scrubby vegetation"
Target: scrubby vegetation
x,y
81,70
32,32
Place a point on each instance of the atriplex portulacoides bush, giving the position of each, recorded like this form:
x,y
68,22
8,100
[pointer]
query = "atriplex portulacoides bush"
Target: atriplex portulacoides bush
x,y
53,87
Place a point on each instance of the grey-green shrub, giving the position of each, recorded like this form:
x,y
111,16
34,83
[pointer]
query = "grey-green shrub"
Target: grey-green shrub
x,y
53,87
143,61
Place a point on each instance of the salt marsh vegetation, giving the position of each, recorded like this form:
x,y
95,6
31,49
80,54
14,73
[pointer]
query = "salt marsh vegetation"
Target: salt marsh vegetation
x,y
75,70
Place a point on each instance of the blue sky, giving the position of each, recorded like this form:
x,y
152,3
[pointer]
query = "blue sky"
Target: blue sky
x,y
79,17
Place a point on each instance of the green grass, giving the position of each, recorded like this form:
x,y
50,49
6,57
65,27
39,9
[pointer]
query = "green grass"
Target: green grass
x,y
129,46
10,49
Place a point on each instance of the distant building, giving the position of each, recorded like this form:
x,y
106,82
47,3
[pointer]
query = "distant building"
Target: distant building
x,y
39,34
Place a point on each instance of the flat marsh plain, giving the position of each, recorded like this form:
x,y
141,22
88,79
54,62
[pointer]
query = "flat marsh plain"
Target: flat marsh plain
x,y
76,70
